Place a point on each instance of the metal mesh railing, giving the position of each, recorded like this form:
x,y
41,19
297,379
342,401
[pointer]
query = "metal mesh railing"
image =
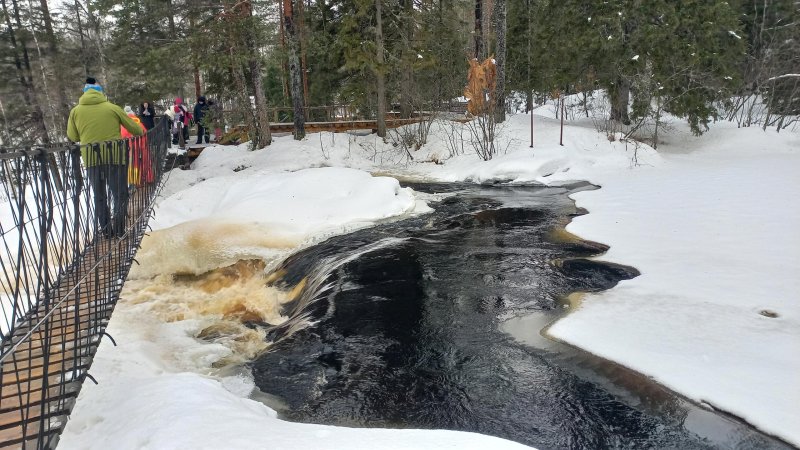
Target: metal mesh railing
x,y
68,235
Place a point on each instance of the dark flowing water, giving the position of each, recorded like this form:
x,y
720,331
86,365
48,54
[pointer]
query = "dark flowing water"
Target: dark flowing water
x,y
434,322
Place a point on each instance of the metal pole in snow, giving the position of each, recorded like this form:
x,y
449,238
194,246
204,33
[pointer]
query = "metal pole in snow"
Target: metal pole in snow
x,y
531,124
561,139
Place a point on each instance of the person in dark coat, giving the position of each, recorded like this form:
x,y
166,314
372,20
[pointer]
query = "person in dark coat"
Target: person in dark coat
x,y
213,119
147,114
200,110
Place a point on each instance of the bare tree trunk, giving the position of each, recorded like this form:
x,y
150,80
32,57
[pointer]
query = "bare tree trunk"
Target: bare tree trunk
x,y
620,98
658,119
381,119
173,33
84,56
171,18
23,67
240,44
478,33
530,110
561,135
284,65
264,135
500,57
303,66
50,105
4,134
242,98
52,43
295,78
406,75
262,112
198,91
98,42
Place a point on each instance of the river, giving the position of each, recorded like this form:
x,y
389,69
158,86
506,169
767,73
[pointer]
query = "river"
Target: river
x,y
436,322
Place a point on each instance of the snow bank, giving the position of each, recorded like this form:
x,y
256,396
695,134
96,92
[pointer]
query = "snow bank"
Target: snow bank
x,y
175,381
265,215
714,234
151,396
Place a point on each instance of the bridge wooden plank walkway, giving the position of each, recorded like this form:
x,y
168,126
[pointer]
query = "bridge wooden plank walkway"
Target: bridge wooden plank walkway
x,y
49,394
71,280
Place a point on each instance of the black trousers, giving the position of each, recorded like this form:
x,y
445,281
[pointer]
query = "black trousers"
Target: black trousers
x,y
185,132
202,132
110,186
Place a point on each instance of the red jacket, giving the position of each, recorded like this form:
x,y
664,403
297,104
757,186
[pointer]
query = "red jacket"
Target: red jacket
x,y
182,114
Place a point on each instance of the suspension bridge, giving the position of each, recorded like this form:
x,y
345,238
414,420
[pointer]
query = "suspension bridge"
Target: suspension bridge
x,y
61,274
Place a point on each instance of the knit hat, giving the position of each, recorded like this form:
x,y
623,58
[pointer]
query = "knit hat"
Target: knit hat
x,y
91,83
128,110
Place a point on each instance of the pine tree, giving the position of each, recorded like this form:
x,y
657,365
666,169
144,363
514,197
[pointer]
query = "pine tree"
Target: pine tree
x,y
149,57
680,55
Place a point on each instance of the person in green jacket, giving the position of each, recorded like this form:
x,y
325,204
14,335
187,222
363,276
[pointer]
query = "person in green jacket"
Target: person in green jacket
x,y
95,124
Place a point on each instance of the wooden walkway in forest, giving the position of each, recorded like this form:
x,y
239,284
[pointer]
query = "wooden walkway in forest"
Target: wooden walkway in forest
x,y
342,126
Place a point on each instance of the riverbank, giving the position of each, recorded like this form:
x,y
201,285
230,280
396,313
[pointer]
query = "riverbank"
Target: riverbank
x,y
715,312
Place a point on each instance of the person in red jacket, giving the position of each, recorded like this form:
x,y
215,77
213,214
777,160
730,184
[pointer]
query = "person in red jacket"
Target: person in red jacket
x,y
181,122
140,167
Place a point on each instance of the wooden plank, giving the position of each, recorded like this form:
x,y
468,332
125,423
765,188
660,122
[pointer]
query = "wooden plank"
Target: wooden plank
x,y
69,345
32,389
34,373
38,361
57,342
13,434
49,438
14,403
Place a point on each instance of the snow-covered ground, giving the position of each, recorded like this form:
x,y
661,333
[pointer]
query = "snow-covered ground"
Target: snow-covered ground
x,y
714,231
709,222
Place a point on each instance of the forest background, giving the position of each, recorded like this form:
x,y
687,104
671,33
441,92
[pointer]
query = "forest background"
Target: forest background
x,y
317,60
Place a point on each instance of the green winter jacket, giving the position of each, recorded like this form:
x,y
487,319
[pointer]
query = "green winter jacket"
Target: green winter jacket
x,y
96,120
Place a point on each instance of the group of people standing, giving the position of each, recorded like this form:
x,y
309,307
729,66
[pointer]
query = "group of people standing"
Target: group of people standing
x,y
114,165
204,115
96,124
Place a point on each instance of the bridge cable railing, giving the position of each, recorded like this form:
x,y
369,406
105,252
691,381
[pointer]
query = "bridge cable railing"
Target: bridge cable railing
x,y
71,219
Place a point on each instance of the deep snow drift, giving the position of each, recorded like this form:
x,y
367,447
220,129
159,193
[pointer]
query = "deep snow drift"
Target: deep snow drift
x,y
708,221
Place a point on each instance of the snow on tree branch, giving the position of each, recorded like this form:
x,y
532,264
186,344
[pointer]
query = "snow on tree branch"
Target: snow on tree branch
x,y
786,75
